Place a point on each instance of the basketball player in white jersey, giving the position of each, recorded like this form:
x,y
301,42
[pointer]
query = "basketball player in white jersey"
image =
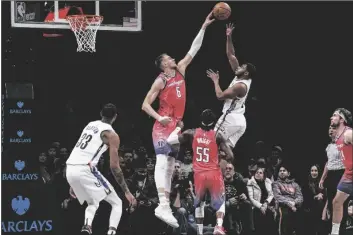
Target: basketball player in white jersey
x,y
233,123
87,183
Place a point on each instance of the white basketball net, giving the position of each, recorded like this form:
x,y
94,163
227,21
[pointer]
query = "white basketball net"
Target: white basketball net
x,y
85,28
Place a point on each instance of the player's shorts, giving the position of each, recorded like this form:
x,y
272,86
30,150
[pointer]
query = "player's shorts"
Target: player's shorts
x,y
211,181
88,183
232,126
346,186
160,135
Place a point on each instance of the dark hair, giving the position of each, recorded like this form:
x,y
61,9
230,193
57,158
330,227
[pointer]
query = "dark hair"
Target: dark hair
x,y
109,111
347,115
263,170
251,69
158,61
208,119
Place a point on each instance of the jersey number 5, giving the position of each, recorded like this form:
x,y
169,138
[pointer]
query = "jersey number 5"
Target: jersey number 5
x,y
178,91
203,154
84,140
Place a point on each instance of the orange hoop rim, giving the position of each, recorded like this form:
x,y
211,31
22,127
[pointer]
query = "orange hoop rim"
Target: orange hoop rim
x,y
91,17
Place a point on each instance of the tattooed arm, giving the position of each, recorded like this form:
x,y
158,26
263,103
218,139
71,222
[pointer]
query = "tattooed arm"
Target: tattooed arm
x,y
113,140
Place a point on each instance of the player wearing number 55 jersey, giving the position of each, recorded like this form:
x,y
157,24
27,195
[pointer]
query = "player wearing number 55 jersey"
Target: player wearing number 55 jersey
x,y
170,88
207,173
86,182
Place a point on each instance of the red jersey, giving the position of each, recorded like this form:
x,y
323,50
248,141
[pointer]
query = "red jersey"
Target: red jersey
x,y
205,150
172,98
346,154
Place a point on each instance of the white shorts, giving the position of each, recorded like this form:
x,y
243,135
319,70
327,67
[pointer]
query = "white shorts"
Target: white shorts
x,y
88,183
232,127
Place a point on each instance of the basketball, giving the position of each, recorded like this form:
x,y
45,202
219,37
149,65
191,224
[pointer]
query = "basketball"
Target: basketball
x,y
221,11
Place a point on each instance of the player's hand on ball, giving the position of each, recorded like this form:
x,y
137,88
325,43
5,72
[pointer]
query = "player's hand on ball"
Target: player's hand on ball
x,y
209,19
131,199
214,76
164,120
230,28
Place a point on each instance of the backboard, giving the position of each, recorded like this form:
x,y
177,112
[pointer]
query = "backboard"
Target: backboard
x,y
118,15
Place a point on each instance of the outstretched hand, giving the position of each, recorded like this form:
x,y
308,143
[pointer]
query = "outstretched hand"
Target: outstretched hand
x,y
230,28
214,76
209,19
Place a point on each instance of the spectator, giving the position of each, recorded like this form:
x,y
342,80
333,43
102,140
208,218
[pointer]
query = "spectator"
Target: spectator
x,y
261,197
142,219
238,208
182,196
252,166
289,196
150,170
186,166
128,170
43,168
314,202
273,162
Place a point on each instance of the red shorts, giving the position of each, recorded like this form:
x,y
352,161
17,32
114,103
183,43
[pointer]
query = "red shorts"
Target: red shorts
x,y
211,181
160,134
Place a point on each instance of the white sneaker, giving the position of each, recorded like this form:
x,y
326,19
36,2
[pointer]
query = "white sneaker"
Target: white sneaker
x,y
218,230
164,213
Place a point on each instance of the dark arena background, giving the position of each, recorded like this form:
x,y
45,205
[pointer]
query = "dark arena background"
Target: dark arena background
x,y
302,52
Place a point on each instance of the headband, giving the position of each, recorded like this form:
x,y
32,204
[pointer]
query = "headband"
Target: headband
x,y
341,115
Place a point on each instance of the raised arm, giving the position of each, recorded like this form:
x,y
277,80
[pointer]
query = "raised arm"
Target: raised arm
x,y
233,61
238,90
222,142
196,45
151,96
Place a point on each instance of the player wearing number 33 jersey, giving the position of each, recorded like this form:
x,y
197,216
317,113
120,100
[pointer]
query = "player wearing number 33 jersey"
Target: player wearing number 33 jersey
x,y
87,183
207,172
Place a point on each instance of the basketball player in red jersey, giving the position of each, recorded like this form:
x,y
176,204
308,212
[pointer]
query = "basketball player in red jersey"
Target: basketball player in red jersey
x,y
170,89
207,172
340,119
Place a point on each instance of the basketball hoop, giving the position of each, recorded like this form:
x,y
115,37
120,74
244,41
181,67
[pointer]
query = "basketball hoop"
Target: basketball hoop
x,y
85,28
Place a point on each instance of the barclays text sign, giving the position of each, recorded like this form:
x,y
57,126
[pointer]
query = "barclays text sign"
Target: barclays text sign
x,y
20,109
19,165
21,205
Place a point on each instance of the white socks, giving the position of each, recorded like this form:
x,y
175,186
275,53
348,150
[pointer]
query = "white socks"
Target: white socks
x,y
163,199
335,229
199,229
219,222
89,214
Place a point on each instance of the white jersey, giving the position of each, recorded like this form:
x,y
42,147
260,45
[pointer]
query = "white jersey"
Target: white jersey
x,y
236,105
90,146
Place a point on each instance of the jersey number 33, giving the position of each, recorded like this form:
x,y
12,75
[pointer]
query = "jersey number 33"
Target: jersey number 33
x,y
83,141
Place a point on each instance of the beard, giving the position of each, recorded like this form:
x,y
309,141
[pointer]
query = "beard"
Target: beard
x,y
335,125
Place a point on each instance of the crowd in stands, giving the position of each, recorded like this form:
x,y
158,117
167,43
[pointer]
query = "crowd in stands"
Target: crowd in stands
x,y
265,199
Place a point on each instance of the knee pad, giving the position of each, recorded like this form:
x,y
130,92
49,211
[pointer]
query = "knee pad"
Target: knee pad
x,y
160,170
222,209
169,173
